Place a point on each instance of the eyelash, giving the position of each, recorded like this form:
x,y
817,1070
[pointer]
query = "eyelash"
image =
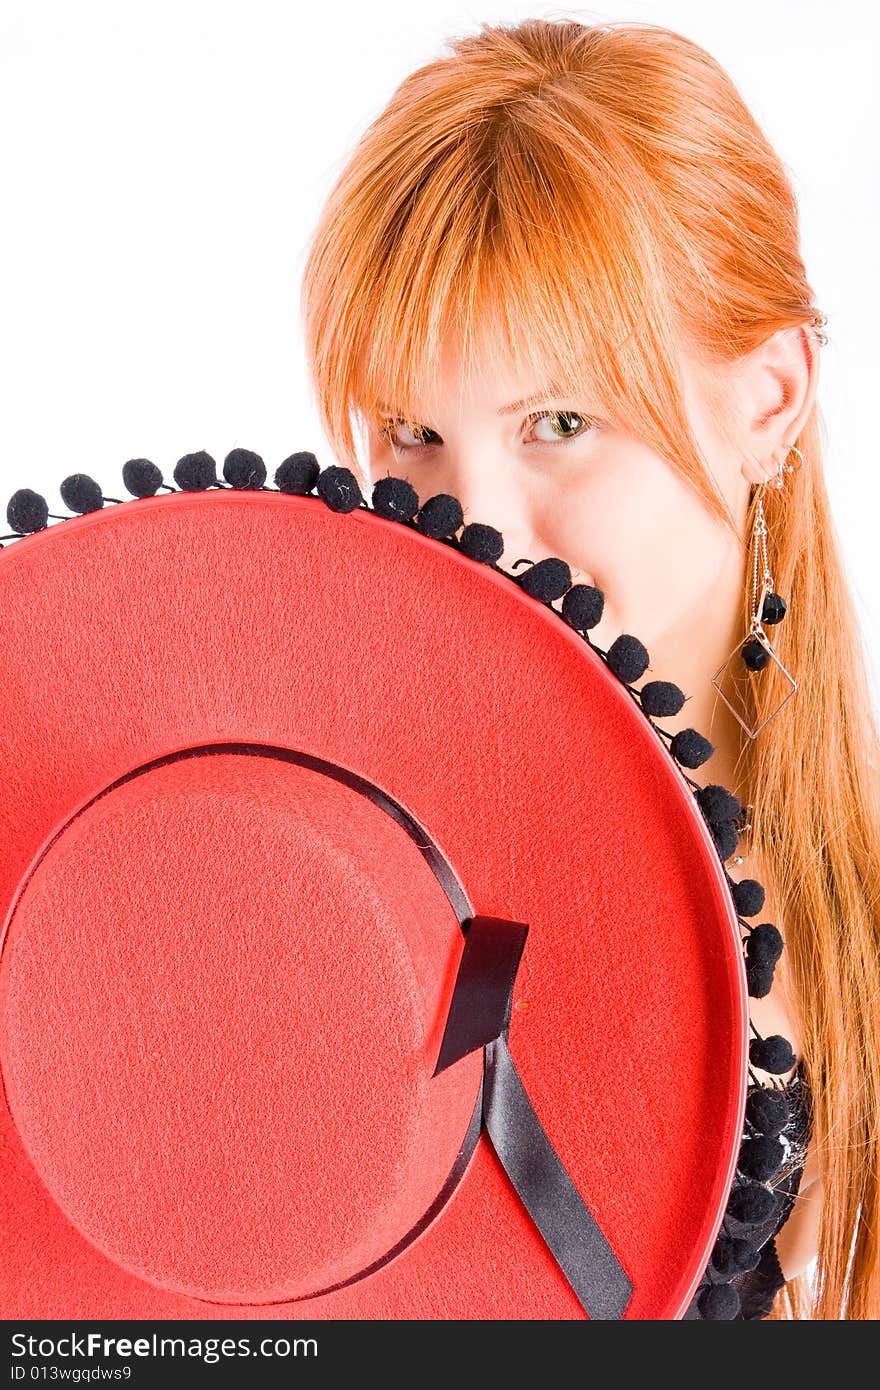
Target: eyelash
x,y
386,429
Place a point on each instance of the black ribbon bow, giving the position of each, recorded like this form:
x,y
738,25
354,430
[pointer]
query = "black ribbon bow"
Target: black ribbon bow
x,y
479,1016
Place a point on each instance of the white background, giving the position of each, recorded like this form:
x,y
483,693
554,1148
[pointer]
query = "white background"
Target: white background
x,y
163,165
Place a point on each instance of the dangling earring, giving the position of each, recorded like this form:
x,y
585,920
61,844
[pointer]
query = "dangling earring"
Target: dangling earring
x,y
755,651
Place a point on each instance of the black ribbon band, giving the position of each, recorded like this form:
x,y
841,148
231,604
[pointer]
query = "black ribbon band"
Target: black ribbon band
x,y
479,1016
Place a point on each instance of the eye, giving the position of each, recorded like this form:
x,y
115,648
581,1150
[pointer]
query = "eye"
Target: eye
x,y
419,434
561,425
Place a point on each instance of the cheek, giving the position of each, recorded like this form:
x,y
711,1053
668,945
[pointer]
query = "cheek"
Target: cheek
x,y
630,526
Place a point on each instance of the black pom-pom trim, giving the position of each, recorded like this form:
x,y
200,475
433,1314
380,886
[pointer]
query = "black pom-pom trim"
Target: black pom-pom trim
x,y
482,543
726,837
691,748
752,1204
765,945
773,1054
141,477
196,472
661,699
759,979
760,1157
396,499
298,473
628,658
27,511
546,580
748,895
718,804
244,469
719,1302
767,1110
583,606
440,517
339,488
81,494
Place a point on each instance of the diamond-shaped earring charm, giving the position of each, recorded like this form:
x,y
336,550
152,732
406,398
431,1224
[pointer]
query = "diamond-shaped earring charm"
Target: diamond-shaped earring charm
x,y
750,660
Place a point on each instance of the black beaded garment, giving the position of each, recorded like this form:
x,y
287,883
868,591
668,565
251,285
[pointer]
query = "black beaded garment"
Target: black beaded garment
x,y
743,1273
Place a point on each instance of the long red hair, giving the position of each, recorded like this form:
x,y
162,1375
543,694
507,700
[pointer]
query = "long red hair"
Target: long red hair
x,y
583,199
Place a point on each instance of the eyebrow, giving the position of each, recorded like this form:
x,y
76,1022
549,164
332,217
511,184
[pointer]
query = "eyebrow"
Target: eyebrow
x,y
512,409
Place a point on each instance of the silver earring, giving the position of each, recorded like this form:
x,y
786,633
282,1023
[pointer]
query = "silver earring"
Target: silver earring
x,y
755,651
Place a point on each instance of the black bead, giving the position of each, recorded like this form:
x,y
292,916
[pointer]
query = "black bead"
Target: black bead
x,y
726,837
719,1302
754,654
80,493
482,543
765,944
27,511
774,609
627,658
244,469
661,698
546,580
717,803
298,473
752,1204
691,748
440,517
339,488
195,472
582,606
767,1110
141,477
759,979
748,896
760,1158
394,498
773,1054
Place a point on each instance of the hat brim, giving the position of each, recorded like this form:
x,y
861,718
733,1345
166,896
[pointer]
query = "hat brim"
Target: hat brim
x,y
257,625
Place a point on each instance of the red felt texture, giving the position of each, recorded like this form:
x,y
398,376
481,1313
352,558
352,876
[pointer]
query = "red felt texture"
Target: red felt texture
x,y
223,984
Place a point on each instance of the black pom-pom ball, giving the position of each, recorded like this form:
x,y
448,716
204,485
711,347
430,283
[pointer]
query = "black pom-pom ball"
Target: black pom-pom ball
x,y
759,979
719,1302
774,609
748,895
27,511
242,468
546,580
754,654
661,698
141,477
765,944
767,1110
483,543
726,837
582,606
394,498
440,517
298,473
195,472
339,488
771,1054
81,494
752,1204
691,748
717,803
627,658
759,1158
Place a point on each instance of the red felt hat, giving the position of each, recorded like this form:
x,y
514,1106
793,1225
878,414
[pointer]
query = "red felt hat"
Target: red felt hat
x,y
366,951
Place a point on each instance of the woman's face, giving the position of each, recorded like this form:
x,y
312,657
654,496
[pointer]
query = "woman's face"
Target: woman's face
x,y
556,478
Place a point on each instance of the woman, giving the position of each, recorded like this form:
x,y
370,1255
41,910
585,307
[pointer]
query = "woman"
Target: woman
x,y
559,278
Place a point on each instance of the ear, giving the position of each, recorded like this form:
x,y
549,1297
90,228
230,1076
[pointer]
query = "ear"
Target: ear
x,y
778,383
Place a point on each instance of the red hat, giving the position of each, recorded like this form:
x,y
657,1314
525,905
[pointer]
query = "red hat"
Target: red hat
x,y
366,951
